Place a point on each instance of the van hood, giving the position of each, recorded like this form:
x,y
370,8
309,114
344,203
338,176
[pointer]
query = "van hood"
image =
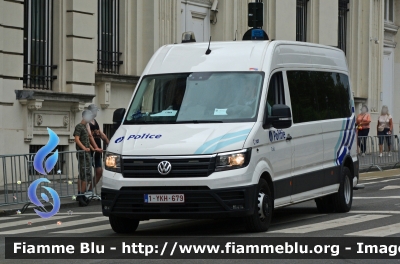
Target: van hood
x,y
179,139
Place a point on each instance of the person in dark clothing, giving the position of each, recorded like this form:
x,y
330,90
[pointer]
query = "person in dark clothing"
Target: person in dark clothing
x,y
95,132
178,95
177,101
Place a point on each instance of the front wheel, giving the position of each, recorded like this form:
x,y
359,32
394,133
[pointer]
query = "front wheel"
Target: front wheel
x,y
261,218
343,199
324,204
123,225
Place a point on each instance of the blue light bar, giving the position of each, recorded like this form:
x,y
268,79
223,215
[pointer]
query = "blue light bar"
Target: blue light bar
x,y
257,34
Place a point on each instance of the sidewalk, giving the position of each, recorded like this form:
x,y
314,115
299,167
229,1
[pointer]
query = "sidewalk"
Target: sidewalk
x,y
66,203
69,203
379,174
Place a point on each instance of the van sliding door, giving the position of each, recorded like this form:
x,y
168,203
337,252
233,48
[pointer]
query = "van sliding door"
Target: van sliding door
x,y
308,174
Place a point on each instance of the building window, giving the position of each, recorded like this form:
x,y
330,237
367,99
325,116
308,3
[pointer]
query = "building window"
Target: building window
x,y
388,12
38,39
108,36
342,30
301,20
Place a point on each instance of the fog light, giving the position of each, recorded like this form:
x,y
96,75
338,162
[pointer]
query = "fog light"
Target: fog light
x,y
237,207
106,208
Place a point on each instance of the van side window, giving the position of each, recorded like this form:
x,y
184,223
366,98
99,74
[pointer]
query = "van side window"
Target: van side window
x,y
276,92
319,95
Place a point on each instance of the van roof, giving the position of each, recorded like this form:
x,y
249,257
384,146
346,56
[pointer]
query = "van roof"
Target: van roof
x,y
243,56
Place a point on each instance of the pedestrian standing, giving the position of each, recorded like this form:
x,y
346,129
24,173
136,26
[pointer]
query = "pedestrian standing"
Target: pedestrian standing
x,y
82,141
97,135
363,121
385,129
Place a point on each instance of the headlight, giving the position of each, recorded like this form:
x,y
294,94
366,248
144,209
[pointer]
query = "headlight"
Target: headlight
x,y
113,162
233,160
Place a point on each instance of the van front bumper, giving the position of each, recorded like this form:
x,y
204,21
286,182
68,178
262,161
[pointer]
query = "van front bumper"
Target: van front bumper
x,y
200,202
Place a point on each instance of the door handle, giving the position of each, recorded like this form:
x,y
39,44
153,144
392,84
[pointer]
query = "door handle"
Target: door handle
x,y
289,137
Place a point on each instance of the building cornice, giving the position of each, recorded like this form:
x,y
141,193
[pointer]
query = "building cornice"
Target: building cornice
x,y
360,99
202,3
23,95
391,28
116,78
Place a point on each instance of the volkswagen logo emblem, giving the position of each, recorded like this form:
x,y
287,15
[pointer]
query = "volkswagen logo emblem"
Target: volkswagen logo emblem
x,y
164,167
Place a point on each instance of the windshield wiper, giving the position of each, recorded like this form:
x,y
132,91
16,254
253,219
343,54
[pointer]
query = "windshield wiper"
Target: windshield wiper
x,y
141,122
198,121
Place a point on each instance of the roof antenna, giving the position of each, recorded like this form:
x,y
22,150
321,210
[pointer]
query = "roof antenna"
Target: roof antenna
x,y
208,50
235,35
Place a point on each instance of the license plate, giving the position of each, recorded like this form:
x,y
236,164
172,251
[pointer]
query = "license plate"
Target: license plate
x,y
164,198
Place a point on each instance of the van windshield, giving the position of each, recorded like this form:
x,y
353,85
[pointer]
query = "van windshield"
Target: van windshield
x,y
206,97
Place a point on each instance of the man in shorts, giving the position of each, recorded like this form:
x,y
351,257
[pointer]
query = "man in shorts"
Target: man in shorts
x,y
97,135
83,141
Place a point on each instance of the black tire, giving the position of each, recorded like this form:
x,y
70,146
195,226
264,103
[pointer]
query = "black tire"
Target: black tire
x,y
123,225
325,204
343,199
261,218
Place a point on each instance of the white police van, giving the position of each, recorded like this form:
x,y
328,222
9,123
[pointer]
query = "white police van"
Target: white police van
x,y
249,127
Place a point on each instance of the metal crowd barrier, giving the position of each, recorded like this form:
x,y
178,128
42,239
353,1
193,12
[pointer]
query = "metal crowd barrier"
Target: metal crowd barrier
x,y
17,173
370,155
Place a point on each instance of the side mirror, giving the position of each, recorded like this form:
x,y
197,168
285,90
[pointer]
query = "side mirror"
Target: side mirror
x,y
281,117
117,117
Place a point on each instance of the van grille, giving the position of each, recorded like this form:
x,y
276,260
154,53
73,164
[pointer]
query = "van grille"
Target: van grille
x,y
182,167
198,199
194,202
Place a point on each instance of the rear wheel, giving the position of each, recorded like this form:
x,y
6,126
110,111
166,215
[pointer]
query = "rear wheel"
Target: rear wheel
x,y
123,225
343,199
261,218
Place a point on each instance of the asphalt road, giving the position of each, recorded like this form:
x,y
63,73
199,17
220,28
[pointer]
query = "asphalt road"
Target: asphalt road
x,y
375,213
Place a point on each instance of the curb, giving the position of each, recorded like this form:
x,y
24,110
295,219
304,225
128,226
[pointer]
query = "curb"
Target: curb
x,y
8,212
374,169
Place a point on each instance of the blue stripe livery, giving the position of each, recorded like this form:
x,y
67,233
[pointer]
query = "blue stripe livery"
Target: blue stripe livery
x,y
220,142
346,139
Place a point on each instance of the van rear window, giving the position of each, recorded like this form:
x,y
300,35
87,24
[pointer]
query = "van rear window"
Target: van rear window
x,y
319,95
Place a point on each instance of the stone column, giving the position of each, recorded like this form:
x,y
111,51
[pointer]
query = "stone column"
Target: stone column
x,y
11,74
81,46
231,20
144,27
280,16
365,52
322,23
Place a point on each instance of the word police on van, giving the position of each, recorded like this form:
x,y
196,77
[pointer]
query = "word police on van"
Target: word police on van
x,y
144,136
277,135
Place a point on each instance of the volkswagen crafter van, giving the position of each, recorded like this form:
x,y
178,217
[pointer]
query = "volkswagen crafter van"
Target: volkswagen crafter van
x,y
249,127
